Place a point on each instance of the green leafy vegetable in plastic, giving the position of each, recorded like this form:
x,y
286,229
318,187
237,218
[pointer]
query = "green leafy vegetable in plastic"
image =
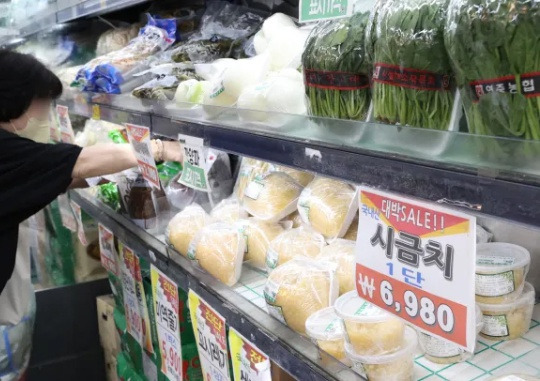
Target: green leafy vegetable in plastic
x,y
108,194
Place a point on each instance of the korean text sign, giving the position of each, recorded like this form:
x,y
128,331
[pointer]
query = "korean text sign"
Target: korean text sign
x,y
417,261
248,361
194,173
211,337
139,137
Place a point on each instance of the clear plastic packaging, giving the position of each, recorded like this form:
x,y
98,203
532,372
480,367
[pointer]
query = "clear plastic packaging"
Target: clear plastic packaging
x,y
271,197
341,252
444,352
228,210
299,288
116,39
326,330
293,220
482,235
412,77
510,320
185,225
293,243
219,249
352,233
501,269
328,206
258,235
249,169
301,177
395,366
370,330
336,69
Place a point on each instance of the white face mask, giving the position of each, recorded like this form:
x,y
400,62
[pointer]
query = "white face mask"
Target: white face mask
x,y
36,129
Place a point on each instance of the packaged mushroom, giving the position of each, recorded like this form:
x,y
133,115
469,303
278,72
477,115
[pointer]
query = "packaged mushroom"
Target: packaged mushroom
x,y
271,197
328,206
258,235
296,290
183,227
326,330
219,249
444,352
341,252
293,243
501,269
394,366
510,320
370,330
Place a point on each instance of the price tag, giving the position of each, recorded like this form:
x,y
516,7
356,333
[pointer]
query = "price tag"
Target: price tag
x,y
66,130
131,303
417,260
80,227
107,250
211,336
248,361
194,172
96,112
166,312
66,213
139,137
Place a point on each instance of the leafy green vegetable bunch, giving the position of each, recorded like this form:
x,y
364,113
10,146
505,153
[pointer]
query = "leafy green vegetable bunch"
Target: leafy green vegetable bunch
x,y
409,35
337,46
496,40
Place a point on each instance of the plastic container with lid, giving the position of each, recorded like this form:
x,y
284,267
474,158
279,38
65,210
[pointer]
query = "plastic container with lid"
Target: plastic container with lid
x,y
369,329
510,320
326,330
444,352
394,366
501,269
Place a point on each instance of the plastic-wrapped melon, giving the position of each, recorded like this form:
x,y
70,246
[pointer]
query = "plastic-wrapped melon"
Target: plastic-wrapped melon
x,y
183,227
271,197
258,235
228,210
299,242
341,252
299,288
219,249
328,206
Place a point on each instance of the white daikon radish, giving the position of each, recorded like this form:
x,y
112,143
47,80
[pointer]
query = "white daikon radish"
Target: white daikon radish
x,y
273,24
286,47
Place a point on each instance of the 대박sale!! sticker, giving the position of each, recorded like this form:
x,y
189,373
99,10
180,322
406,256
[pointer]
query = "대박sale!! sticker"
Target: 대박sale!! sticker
x,y
139,137
248,362
166,307
211,336
131,302
107,250
66,130
194,168
417,261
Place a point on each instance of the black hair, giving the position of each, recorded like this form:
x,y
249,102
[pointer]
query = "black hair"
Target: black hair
x,y
23,79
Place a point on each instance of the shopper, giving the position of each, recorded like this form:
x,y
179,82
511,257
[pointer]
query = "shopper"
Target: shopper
x,y
32,174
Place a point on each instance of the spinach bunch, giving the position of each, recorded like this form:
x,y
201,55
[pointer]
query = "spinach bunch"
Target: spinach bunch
x,y
337,47
490,40
408,34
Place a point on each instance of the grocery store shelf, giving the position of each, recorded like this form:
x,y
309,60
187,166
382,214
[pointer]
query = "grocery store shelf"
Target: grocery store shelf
x,y
293,353
460,177
71,11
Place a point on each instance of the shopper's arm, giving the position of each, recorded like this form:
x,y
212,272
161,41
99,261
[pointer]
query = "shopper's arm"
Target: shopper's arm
x,y
105,159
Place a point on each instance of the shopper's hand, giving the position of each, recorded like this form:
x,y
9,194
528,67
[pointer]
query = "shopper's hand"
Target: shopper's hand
x,y
173,151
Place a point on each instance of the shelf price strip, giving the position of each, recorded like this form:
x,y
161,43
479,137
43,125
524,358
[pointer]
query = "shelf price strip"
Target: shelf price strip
x,y
139,137
211,337
166,311
417,260
248,361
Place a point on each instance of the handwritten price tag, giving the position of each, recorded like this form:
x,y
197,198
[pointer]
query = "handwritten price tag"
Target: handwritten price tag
x,y
166,307
66,130
211,337
194,172
139,137
107,250
248,361
80,227
417,260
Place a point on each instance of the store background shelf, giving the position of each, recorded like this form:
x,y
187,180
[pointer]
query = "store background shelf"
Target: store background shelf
x,y
68,11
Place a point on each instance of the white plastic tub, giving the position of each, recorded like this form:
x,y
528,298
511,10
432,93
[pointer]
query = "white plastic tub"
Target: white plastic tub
x,y
326,330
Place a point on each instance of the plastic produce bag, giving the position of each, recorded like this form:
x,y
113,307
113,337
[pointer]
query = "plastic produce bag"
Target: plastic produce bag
x,y
493,46
219,249
185,225
342,253
229,210
249,169
328,206
299,288
412,75
337,70
258,235
116,39
164,81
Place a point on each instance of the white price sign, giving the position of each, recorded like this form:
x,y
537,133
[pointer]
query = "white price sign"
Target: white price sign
x,y
211,336
139,137
66,130
107,250
417,260
248,361
66,213
131,302
80,227
194,171
166,307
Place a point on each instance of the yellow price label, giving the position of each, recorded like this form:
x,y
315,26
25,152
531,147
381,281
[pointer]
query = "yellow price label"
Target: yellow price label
x,y
96,112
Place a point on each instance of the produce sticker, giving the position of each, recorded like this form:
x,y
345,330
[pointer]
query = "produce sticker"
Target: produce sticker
x,y
107,250
194,171
166,313
249,363
211,337
416,260
80,227
66,130
139,137
131,303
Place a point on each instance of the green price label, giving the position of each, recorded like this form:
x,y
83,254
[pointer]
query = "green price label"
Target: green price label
x,y
194,177
316,10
